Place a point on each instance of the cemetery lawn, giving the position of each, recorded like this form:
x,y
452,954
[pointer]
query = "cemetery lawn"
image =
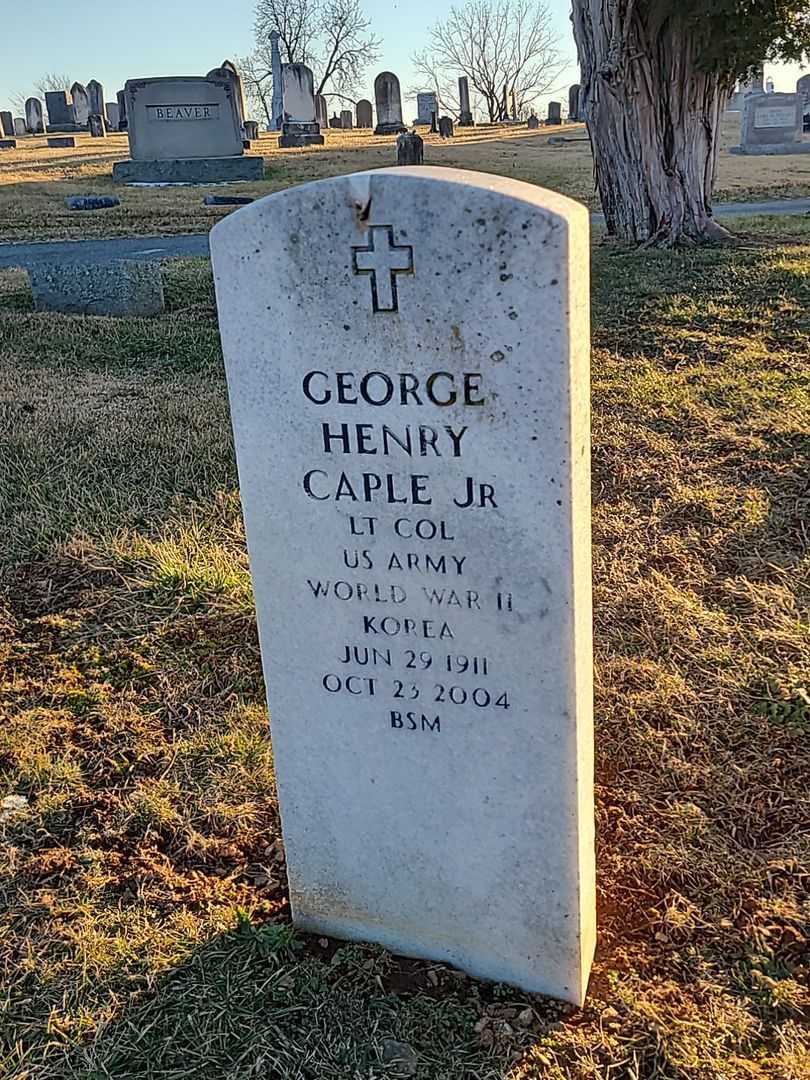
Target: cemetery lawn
x,y
35,180
144,923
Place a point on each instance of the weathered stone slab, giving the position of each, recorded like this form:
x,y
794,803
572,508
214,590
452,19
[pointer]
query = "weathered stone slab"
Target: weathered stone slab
x,y
96,126
427,105
771,124
321,111
554,113
388,100
300,127
95,98
8,144
189,171
113,115
414,475
6,124
34,120
364,113
19,125
410,148
465,112
346,119
59,107
61,141
111,288
573,101
182,117
81,105
91,202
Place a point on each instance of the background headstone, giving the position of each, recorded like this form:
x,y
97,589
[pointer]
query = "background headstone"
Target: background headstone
x,y
8,144
81,105
446,127
803,90
321,111
426,105
388,103
346,119
95,125
7,124
410,148
573,102
771,124
277,106
34,120
121,98
59,107
364,113
436,787
95,98
251,129
61,142
554,112
19,125
227,70
300,128
465,112
335,121
113,115
533,122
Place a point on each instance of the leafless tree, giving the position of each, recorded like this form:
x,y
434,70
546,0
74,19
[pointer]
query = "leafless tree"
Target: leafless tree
x,y
497,44
50,81
333,37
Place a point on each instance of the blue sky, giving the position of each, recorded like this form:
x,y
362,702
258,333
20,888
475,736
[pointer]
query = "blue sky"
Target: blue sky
x,y
112,43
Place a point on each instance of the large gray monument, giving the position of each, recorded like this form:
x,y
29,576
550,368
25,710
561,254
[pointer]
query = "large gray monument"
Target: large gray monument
x,y
60,111
388,101
417,505
300,128
184,129
771,124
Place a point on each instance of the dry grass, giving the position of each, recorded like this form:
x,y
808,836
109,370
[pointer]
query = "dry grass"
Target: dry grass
x,y
35,180
144,910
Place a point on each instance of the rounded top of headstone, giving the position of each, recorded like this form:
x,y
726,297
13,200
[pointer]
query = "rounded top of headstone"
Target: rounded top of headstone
x,y
386,77
79,88
94,83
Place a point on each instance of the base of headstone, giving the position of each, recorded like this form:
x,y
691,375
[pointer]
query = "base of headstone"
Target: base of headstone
x,y
293,134
112,288
389,129
65,129
189,171
774,148
62,142
466,120
8,144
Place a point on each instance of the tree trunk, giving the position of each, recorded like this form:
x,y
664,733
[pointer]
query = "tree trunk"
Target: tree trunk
x,y
654,121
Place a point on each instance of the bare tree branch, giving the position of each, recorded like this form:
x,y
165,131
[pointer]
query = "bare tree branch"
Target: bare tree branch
x,y
500,45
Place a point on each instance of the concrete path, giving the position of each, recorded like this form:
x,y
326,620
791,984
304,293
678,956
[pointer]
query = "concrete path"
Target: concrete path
x,y
150,248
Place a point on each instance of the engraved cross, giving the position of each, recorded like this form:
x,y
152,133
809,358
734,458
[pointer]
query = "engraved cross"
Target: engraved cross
x,y
383,260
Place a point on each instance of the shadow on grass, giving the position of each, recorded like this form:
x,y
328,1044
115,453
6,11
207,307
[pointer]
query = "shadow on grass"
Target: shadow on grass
x,y
260,1003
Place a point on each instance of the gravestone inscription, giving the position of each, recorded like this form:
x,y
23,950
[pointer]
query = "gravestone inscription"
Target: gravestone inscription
x,y
417,502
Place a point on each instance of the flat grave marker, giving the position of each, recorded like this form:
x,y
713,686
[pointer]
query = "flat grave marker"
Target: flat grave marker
x,y
415,479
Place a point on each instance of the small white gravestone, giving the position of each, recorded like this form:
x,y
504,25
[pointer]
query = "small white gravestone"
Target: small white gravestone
x,y
407,354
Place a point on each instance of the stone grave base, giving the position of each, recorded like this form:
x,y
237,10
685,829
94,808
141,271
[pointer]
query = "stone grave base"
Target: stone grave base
x,y
111,288
66,128
773,148
8,144
300,134
63,141
189,171
389,129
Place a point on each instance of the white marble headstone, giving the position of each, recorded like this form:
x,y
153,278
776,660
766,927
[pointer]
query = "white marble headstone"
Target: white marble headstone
x,y
407,354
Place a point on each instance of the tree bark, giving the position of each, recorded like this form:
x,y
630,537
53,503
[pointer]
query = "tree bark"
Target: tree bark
x,y
653,117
